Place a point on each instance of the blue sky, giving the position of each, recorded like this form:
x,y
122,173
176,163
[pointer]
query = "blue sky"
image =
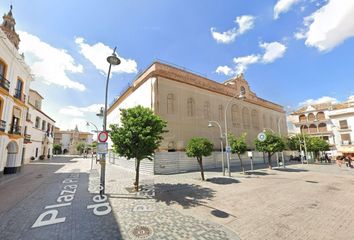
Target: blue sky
x,y
290,51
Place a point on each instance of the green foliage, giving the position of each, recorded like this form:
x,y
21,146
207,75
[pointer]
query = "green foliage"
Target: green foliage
x,y
198,147
80,147
57,149
94,144
293,143
317,145
271,145
238,146
139,135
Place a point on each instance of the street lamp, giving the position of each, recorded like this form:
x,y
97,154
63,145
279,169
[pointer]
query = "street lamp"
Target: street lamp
x,y
112,60
221,143
237,96
88,123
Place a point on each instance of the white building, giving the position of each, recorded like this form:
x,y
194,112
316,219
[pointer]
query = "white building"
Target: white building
x,y
39,130
332,122
15,77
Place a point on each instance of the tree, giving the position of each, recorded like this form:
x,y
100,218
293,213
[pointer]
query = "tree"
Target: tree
x,y
317,145
56,148
139,135
272,144
198,147
238,146
293,143
80,147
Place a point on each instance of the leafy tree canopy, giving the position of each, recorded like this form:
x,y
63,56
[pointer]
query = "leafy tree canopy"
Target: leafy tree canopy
x,y
238,145
198,147
271,145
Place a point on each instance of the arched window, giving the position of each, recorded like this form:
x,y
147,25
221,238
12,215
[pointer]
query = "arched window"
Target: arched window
x,y
38,122
320,116
322,127
3,82
235,116
242,90
312,128
265,123
221,112
43,125
170,103
1,107
304,129
206,110
302,118
255,119
19,89
311,117
271,123
246,118
190,107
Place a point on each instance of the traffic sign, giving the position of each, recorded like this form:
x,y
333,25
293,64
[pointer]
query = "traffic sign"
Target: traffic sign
x,y
228,149
102,137
262,136
102,148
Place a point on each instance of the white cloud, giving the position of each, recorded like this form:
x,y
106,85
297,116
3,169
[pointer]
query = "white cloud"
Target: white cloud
x,y
283,6
330,25
50,64
273,50
224,70
79,111
72,123
351,98
300,35
245,23
243,62
97,54
324,99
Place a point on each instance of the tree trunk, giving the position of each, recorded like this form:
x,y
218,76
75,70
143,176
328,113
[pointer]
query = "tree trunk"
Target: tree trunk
x,y
243,169
200,161
136,183
270,160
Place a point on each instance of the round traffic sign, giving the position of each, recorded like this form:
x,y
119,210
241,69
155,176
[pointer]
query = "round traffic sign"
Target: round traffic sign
x,y
262,136
102,136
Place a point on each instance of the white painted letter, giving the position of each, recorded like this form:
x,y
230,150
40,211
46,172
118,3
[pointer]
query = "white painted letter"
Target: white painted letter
x,y
52,220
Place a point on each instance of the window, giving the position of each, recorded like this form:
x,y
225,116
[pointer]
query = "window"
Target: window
x,y
1,107
322,127
313,128
206,110
320,116
346,140
18,90
304,129
235,115
170,103
265,123
302,118
38,122
343,124
311,117
36,152
243,90
246,118
221,112
190,107
43,125
255,120
271,123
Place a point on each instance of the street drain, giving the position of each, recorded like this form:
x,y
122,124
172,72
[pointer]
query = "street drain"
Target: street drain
x,y
142,232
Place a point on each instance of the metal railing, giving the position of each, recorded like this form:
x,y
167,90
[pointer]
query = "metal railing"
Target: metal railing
x,y
4,83
15,129
19,95
2,125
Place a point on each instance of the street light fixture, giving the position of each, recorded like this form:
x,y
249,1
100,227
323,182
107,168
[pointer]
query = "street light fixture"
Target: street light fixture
x,y
112,60
210,124
240,96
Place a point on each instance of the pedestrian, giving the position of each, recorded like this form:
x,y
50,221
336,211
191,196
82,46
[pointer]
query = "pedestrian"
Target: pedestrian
x,y
328,159
350,159
339,161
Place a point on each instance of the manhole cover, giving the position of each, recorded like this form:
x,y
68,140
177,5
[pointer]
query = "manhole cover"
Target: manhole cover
x,y
142,232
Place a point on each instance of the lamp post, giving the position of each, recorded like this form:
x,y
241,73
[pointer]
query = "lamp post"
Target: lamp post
x,y
88,123
282,153
221,143
237,96
112,60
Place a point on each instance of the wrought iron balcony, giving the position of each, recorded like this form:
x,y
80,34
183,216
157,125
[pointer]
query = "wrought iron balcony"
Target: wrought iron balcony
x,y
18,94
2,125
15,129
4,83
27,138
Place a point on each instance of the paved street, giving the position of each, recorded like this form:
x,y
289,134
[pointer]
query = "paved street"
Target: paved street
x,y
302,202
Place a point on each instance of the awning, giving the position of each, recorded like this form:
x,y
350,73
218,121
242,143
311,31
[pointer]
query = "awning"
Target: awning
x,y
346,149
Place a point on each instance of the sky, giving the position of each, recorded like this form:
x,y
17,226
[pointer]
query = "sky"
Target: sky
x,y
292,52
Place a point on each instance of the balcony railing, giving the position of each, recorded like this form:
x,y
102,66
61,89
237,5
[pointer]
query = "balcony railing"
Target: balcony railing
x,y
14,129
27,138
18,94
4,83
2,125
346,142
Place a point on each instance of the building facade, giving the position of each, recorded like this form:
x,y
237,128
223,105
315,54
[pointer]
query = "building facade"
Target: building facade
x,y
188,102
69,139
39,130
15,78
332,122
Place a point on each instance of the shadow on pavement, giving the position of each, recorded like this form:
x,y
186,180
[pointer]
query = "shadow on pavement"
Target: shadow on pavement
x,y
222,181
258,173
219,213
290,170
186,195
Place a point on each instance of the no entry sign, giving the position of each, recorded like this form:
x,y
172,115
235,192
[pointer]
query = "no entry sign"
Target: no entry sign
x,y
103,136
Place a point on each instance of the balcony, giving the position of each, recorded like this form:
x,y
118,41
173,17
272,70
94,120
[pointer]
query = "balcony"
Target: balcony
x,y
345,129
14,129
4,83
27,138
18,94
346,142
2,126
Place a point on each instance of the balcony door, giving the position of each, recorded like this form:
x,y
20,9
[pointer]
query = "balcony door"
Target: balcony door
x,y
18,90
